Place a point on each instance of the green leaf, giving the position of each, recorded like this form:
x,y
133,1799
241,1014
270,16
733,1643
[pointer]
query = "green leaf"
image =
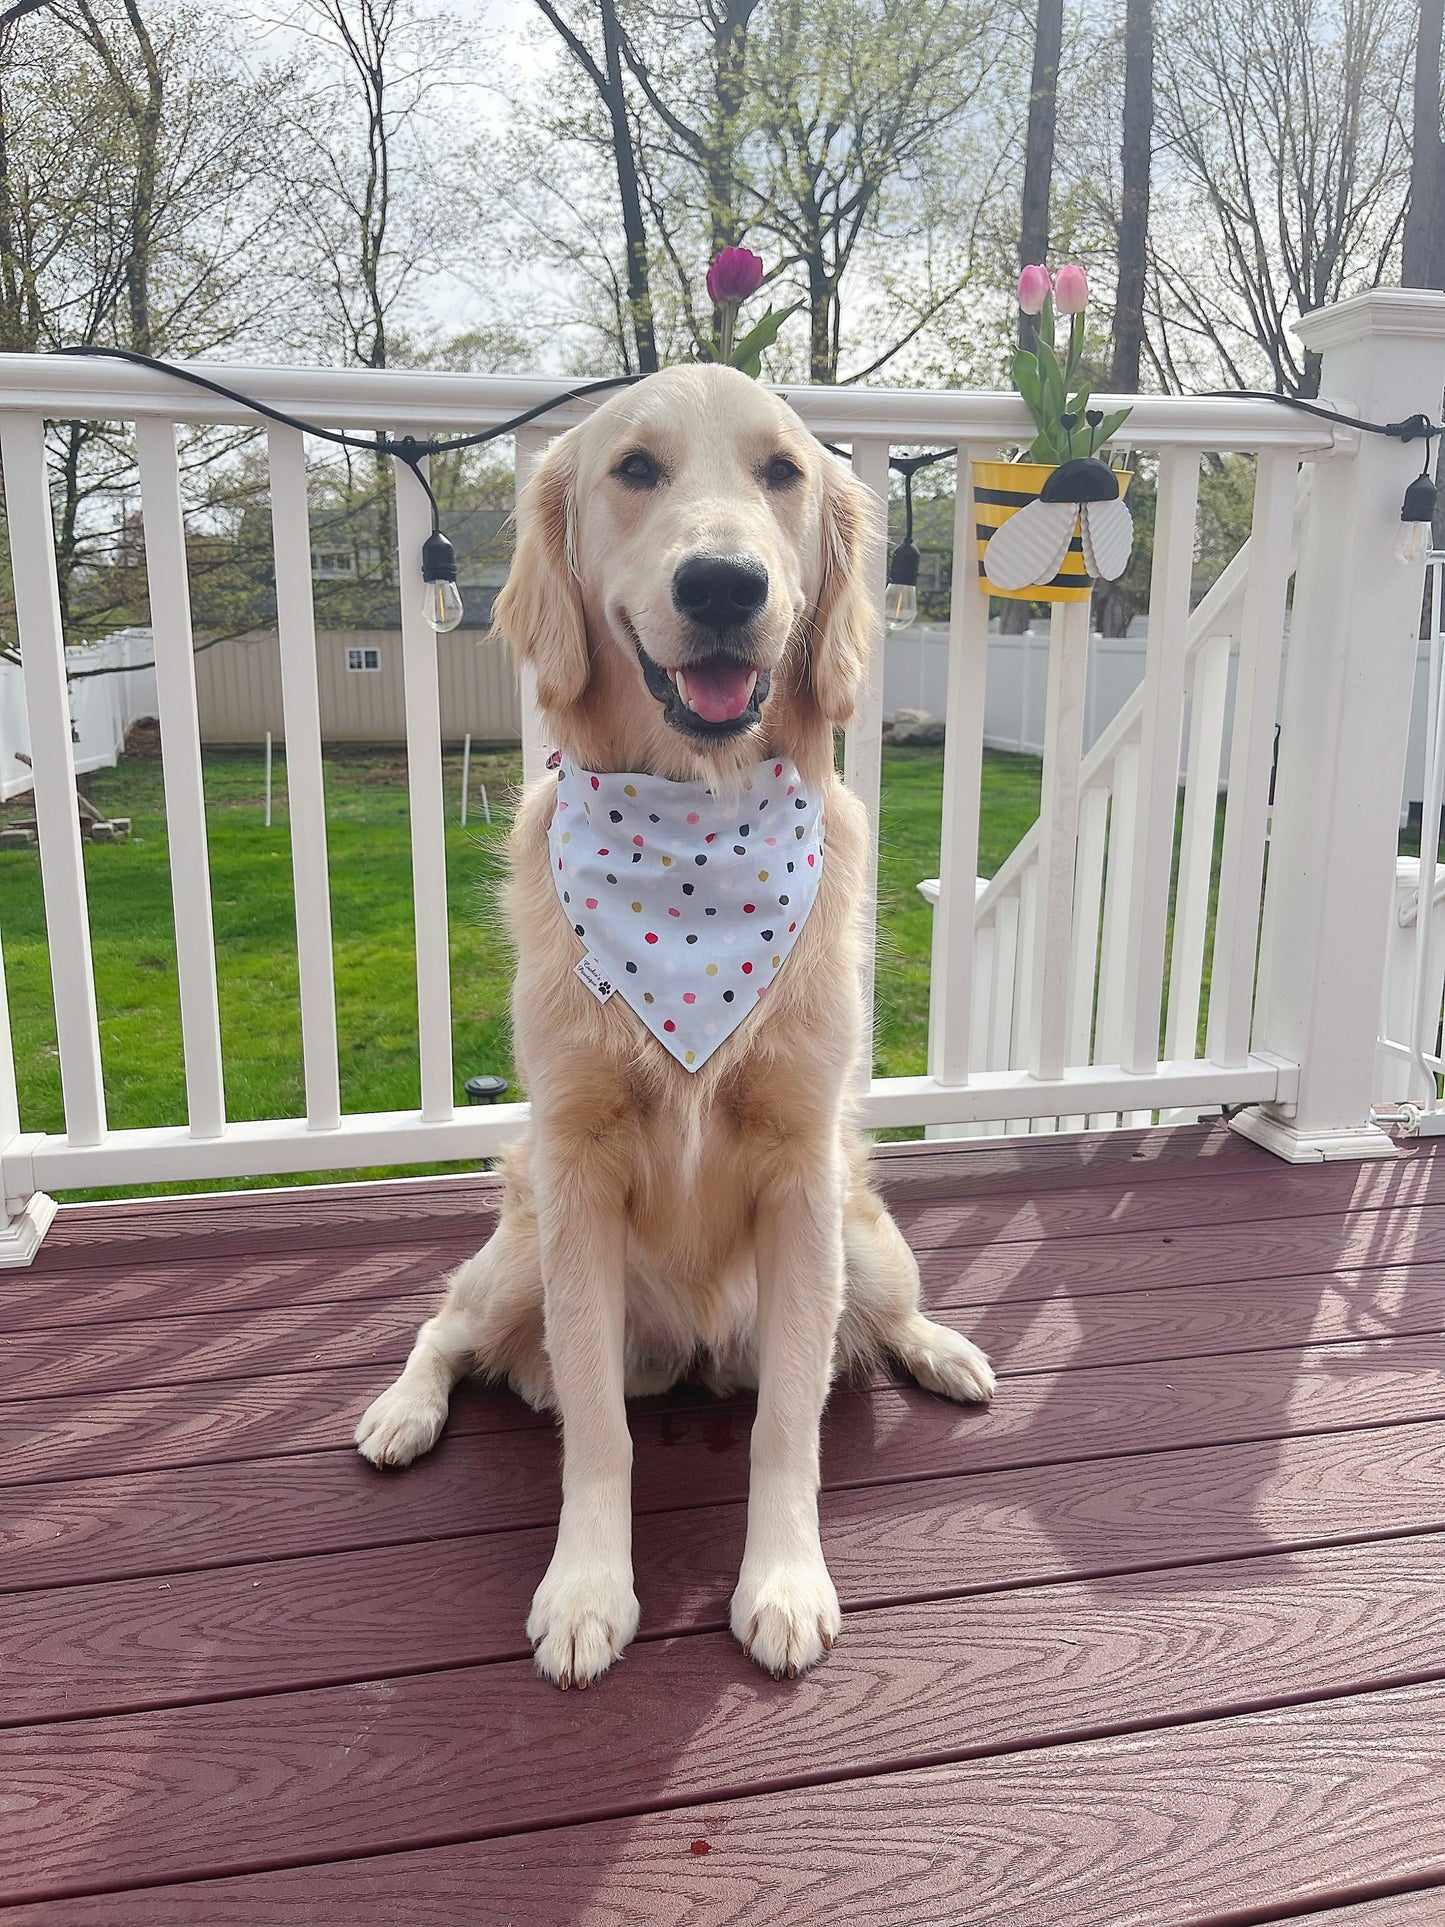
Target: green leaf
x,y
1046,321
1053,386
1026,378
747,354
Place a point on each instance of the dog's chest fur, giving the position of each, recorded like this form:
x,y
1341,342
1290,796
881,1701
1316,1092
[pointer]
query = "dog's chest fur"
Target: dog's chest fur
x,y
692,1152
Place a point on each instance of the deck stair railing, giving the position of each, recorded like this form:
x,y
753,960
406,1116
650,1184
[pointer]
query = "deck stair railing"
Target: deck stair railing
x,y
1108,785
1294,999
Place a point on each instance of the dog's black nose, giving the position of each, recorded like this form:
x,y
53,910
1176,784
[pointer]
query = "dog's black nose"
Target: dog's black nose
x,y
720,591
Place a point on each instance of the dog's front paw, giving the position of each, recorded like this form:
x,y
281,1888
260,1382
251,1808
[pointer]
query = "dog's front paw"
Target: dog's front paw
x,y
582,1617
946,1362
402,1424
785,1615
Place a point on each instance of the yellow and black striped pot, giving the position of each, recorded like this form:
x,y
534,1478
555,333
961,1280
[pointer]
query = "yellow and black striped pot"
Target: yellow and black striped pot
x,y
1001,489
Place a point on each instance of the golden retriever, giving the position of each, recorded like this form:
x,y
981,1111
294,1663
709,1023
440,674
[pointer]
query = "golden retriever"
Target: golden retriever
x,y
689,587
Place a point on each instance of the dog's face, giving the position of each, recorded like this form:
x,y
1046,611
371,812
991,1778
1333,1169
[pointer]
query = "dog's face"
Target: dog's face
x,y
688,571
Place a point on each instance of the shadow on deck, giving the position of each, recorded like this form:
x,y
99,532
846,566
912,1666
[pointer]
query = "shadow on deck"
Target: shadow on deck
x,y
1155,1640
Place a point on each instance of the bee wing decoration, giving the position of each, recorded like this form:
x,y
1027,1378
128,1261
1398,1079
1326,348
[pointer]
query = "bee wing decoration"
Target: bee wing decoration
x,y
1031,545
1107,532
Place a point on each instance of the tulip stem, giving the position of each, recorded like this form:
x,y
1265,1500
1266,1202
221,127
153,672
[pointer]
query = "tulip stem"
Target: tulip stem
x,y
729,317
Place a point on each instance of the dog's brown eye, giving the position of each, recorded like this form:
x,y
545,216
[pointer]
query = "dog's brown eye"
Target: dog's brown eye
x,y
781,471
638,470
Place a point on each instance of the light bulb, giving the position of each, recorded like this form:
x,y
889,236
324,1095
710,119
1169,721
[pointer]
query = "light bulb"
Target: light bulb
x,y
900,605
1417,517
443,605
1412,544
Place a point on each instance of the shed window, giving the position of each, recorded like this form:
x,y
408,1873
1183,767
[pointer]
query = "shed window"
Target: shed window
x,y
363,659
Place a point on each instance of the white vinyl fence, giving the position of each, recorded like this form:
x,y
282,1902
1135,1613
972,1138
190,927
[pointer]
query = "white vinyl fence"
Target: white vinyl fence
x,y
102,705
1059,994
915,676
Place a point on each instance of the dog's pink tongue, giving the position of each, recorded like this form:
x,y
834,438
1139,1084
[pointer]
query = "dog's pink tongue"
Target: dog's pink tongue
x,y
718,690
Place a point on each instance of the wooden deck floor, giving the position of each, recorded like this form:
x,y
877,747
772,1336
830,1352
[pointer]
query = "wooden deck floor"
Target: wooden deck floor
x,y
1160,1639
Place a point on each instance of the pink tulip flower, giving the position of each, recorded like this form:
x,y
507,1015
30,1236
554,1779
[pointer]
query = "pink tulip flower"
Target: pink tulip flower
x,y
1071,290
1034,285
736,273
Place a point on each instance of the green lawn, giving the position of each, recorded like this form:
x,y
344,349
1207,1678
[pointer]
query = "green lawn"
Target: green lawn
x,y
134,946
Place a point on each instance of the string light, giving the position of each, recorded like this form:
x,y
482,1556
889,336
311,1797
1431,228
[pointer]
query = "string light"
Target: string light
x,y
443,605
900,598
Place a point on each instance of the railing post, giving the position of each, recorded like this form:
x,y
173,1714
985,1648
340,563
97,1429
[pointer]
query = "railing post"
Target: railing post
x,y
1344,726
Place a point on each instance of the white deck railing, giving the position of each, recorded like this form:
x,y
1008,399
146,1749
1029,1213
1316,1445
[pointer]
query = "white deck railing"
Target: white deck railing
x,y
1047,996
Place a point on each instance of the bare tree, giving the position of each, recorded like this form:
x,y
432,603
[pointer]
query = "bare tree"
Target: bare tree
x,y
1285,125
854,97
368,205
1133,244
604,72
130,214
1039,146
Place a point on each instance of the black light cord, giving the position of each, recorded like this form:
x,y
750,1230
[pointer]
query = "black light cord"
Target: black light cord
x,y
1414,428
412,451
408,449
438,558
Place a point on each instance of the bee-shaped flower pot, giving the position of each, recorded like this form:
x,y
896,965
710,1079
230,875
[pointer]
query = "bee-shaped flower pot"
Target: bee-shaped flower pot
x,y
1062,526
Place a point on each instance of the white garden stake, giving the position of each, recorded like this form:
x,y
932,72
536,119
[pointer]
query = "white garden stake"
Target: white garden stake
x,y
268,779
466,774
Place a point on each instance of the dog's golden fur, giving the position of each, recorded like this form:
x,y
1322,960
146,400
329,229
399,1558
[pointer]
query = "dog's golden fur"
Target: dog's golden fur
x,y
658,1222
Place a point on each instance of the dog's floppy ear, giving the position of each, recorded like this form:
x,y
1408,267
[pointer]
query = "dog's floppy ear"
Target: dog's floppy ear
x,y
540,608
847,619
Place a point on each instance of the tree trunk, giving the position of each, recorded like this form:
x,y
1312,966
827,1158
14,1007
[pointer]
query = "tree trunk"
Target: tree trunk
x,y
1039,148
1423,265
1134,204
730,53
146,112
822,354
639,294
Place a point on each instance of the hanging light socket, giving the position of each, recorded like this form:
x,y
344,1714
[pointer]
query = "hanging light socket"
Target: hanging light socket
x,y
900,600
442,606
1417,518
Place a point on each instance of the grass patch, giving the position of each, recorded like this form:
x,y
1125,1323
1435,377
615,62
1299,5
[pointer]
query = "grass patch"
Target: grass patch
x,y
133,940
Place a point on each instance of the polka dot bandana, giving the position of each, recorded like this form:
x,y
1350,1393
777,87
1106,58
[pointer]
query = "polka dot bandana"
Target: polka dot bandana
x,y
688,902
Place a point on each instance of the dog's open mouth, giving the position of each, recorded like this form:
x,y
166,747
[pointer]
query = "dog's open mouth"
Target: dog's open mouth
x,y
717,696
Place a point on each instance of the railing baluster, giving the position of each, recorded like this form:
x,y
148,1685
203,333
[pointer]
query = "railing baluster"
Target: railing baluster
x,y
1005,974
1088,910
1025,1003
531,444
47,706
1256,696
1109,1022
1161,722
1196,847
1058,838
305,778
428,815
863,745
951,1002
185,792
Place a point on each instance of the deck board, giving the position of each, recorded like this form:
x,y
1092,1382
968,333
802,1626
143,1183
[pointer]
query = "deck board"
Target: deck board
x,y
1021,1335
1179,1828
1154,1640
870,1435
386,1764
